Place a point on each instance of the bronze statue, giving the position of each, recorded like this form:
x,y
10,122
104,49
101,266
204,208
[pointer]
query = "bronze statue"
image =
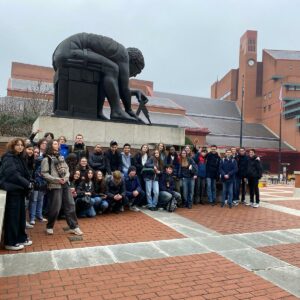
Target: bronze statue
x,y
115,64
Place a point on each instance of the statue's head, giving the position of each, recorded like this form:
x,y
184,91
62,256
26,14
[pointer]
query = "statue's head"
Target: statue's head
x,y
136,61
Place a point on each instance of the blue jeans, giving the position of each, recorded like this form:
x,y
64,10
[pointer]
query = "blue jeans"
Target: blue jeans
x,y
188,185
152,186
236,188
36,205
211,189
227,190
99,204
165,197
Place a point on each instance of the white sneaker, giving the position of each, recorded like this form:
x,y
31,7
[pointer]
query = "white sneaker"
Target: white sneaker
x,y
32,222
235,203
133,208
14,247
255,205
27,243
122,208
76,231
43,220
249,204
29,226
49,231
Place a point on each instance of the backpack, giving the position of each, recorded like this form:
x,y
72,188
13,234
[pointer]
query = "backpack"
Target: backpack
x,y
172,205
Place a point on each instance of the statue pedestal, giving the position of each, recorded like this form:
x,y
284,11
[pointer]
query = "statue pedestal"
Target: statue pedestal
x,y
102,132
297,184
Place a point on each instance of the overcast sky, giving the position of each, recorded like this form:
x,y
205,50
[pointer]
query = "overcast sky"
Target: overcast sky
x,y
187,44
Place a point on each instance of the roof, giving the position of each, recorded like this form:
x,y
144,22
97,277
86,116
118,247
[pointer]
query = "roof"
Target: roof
x,y
284,54
204,106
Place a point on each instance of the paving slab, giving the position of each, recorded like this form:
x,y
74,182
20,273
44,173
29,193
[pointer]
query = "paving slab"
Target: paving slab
x,y
280,208
256,239
181,247
288,278
252,259
283,237
26,263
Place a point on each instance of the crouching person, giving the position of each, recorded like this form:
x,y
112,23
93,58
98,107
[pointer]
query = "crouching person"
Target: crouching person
x,y
116,192
56,172
134,192
167,188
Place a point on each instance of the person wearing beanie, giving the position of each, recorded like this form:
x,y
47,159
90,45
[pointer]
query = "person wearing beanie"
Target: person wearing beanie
x,y
113,158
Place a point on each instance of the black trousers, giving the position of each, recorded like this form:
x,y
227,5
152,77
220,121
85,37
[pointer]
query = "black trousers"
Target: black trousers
x,y
139,200
15,219
253,189
242,187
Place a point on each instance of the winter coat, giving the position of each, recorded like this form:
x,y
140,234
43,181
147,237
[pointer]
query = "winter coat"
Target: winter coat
x,y
80,150
113,161
242,161
212,165
50,172
132,184
174,161
138,163
201,164
185,172
167,183
148,172
254,169
97,162
112,189
228,166
15,176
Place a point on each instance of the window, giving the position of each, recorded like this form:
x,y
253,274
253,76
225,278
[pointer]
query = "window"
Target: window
x,y
251,45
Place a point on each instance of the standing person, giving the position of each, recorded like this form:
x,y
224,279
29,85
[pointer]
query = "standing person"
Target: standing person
x,y
63,147
167,188
188,151
56,172
236,186
200,160
127,159
97,160
254,173
15,179
47,136
151,172
113,158
212,173
173,159
163,152
188,173
134,191
116,192
139,161
79,148
227,170
242,161
42,144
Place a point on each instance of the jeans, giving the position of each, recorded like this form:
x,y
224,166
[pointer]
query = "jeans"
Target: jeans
x,y
200,189
152,186
211,189
227,190
36,205
188,185
165,197
236,188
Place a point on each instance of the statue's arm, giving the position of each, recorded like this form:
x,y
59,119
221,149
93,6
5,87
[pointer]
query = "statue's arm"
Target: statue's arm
x,y
124,90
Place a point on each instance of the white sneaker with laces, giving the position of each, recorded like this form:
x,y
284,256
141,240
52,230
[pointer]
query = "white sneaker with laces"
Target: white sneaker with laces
x,y
49,231
32,222
29,226
76,231
255,205
28,242
133,208
15,247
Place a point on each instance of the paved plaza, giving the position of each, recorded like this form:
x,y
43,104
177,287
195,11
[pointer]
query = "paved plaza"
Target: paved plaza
x,y
203,253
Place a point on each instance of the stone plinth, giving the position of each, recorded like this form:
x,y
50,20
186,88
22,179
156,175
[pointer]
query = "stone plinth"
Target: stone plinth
x,y
102,132
2,209
297,184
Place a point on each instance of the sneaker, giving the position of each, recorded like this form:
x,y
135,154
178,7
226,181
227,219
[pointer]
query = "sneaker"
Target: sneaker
x,y
122,208
133,208
255,205
32,222
28,242
249,204
76,231
29,226
161,209
42,220
15,247
235,203
49,231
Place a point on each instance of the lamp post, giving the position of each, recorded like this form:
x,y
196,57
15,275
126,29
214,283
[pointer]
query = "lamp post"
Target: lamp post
x,y
242,113
280,132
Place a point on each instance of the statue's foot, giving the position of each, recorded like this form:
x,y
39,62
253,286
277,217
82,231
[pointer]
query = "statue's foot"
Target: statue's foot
x,y
132,114
122,116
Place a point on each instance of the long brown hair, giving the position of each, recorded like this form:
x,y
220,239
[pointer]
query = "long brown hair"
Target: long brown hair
x,y
184,162
11,145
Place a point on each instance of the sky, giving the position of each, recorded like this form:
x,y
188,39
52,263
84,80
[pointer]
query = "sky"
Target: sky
x,y
187,44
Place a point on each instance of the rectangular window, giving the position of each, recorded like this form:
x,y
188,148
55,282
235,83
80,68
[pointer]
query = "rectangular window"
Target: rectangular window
x,y
251,45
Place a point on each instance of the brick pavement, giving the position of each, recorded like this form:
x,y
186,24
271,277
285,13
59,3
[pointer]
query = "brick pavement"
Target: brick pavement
x,y
107,229
204,276
287,252
240,219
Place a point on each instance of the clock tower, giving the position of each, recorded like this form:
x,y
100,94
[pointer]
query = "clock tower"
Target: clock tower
x,y
247,77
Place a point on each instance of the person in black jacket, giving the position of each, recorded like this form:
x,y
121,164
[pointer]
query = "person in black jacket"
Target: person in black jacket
x,y
254,173
15,179
79,148
97,160
113,158
212,173
242,161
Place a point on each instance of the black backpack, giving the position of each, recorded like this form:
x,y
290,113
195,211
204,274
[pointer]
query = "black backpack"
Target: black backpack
x,y
172,205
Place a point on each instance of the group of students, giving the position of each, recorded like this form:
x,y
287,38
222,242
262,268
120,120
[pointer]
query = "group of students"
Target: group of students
x,y
57,177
